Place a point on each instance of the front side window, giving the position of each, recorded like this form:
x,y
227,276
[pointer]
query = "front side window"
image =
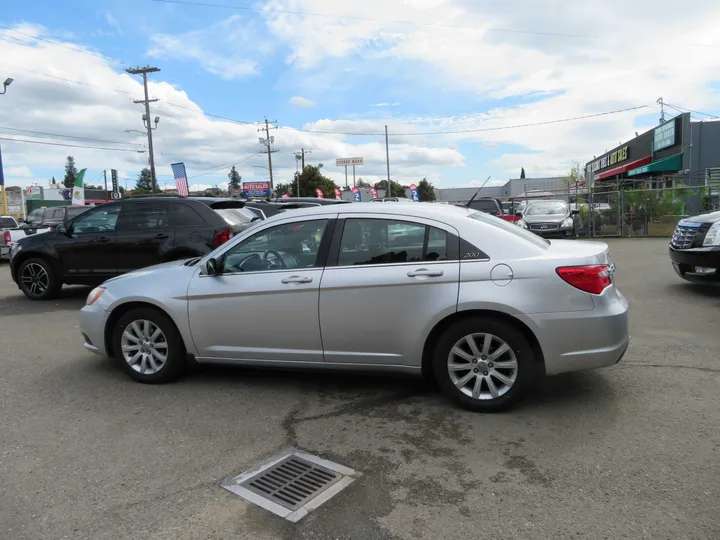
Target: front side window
x,y
383,241
143,216
102,220
291,245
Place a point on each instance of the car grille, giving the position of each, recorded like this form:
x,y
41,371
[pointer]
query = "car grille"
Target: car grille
x,y
684,237
544,226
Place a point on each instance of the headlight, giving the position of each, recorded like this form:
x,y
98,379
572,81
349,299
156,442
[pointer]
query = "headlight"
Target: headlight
x,y
94,295
712,238
567,223
521,223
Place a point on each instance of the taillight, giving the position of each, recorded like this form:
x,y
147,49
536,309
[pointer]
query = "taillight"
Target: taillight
x,y
6,237
221,237
593,279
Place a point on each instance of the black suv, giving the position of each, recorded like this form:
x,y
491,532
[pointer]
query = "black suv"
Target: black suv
x,y
119,237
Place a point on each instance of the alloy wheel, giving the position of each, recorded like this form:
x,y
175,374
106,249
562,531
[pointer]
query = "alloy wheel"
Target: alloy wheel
x,y
482,366
35,279
144,347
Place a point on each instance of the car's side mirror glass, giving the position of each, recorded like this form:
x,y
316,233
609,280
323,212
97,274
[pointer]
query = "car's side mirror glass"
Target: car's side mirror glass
x,y
518,214
212,267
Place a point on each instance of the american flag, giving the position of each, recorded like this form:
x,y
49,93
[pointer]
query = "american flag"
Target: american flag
x,y
181,183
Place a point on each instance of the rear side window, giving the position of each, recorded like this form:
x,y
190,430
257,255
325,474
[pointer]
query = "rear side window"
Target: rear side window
x,y
74,211
7,223
182,215
513,229
48,213
142,216
382,241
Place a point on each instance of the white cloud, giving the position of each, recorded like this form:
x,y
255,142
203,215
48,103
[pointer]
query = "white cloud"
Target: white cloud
x,y
299,101
113,23
19,171
102,108
231,48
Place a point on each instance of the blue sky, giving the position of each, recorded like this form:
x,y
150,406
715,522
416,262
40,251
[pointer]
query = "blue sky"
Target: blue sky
x,y
322,73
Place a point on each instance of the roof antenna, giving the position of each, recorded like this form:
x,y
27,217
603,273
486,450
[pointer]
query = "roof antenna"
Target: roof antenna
x,y
477,193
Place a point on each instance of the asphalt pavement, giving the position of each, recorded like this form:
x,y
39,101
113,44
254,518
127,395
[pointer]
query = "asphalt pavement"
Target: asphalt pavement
x,y
631,451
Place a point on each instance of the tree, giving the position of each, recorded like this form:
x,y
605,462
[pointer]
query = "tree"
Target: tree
x,y
144,182
311,178
426,192
70,172
362,183
282,189
92,186
522,172
53,181
575,175
235,179
398,190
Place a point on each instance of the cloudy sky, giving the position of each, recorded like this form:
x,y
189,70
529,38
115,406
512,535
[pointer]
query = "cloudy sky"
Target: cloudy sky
x,y
446,76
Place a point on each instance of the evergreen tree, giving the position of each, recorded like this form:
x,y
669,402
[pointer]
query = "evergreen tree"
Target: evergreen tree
x,y
235,179
70,172
362,183
522,172
53,181
144,182
426,192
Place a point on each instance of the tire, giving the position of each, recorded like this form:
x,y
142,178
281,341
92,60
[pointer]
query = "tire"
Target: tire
x,y
518,354
37,279
147,365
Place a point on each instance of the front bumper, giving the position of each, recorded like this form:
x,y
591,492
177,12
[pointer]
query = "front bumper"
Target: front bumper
x,y
562,232
585,339
687,262
93,320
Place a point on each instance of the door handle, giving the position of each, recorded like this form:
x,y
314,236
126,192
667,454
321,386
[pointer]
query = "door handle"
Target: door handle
x,y
161,236
101,240
297,279
424,272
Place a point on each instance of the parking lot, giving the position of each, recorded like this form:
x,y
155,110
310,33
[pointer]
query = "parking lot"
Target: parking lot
x,y
632,451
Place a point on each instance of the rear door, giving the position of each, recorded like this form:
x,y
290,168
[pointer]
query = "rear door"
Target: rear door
x,y
144,235
388,281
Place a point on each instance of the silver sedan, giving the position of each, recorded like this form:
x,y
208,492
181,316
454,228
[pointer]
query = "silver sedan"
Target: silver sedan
x,y
480,305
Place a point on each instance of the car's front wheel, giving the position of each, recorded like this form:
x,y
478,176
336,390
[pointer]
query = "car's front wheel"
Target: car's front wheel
x,y
37,279
483,364
148,346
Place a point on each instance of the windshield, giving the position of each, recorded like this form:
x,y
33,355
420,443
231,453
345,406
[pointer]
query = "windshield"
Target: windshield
x,y
547,208
512,229
7,223
237,216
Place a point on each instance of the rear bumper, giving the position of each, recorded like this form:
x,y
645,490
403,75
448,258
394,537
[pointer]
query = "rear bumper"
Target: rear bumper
x,y
585,339
686,262
5,252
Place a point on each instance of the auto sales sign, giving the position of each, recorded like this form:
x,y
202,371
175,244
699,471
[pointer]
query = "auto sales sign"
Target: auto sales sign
x,y
256,189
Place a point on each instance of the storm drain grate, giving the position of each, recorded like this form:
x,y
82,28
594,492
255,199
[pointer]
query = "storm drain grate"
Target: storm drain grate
x,y
292,484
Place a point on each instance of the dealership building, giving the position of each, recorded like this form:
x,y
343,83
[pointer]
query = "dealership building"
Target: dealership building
x,y
677,152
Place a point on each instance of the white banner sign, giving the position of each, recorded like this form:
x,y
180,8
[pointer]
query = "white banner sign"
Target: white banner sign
x,y
344,162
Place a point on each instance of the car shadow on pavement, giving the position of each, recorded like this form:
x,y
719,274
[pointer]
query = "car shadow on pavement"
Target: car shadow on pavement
x,y
69,298
705,291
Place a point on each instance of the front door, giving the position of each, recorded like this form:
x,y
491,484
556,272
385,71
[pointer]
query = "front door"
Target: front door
x,y
86,245
385,287
263,305
144,235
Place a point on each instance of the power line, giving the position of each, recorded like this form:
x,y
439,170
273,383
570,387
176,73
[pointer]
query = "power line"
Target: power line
x,y
55,43
68,136
683,109
247,158
72,145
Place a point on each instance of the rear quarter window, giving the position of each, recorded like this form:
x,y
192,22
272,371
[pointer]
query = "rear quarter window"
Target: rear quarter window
x,y
182,215
519,232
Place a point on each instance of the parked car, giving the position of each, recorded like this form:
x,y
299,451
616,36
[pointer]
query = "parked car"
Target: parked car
x,y
118,237
11,232
695,249
54,216
485,305
549,219
492,206
312,201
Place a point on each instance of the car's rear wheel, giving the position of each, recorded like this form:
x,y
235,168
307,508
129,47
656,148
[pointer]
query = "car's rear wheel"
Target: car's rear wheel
x,y
483,364
148,346
38,280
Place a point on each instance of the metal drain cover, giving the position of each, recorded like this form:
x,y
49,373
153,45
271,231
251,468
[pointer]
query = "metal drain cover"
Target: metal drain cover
x,y
292,483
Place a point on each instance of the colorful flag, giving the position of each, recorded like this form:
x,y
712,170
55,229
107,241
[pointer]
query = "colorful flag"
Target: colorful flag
x,y
414,193
338,194
373,193
286,196
78,190
356,194
319,193
181,182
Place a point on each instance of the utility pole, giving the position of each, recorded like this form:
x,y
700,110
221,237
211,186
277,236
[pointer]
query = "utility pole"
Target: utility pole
x,y
146,117
662,109
105,177
300,156
268,141
387,155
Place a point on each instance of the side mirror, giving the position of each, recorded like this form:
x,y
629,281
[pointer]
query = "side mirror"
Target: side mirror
x,y
574,212
212,267
518,214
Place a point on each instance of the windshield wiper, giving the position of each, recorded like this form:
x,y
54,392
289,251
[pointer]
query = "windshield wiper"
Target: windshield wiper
x,y
192,262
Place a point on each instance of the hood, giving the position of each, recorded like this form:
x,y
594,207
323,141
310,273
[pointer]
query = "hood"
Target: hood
x,y
168,270
712,217
553,218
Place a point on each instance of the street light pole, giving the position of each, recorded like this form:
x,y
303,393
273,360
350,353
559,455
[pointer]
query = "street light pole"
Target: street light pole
x,y
144,71
7,83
